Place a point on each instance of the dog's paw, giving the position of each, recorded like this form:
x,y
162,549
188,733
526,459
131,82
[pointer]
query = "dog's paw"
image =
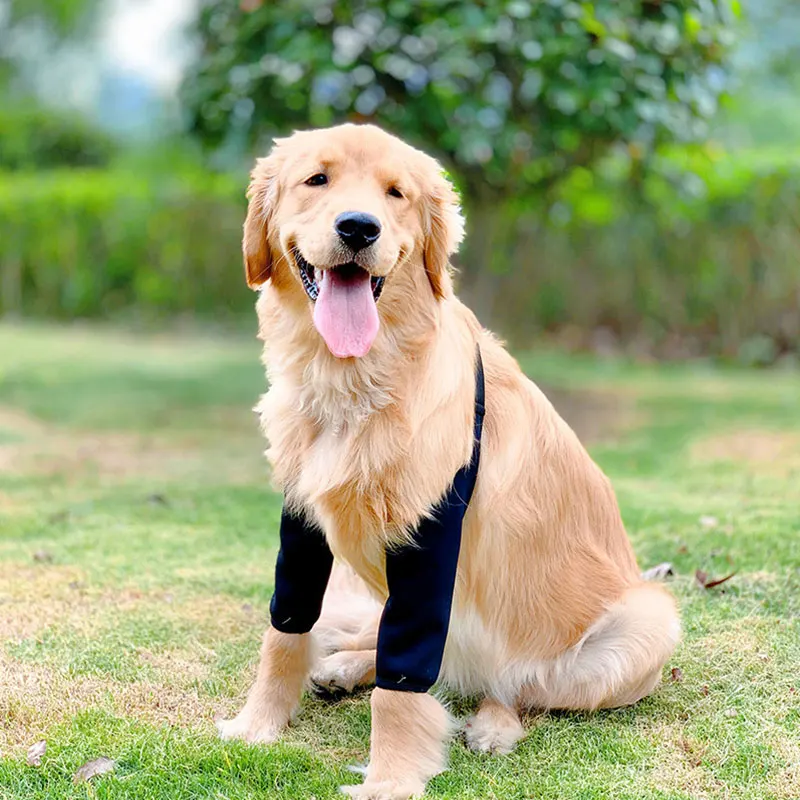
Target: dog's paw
x,y
384,790
338,673
495,733
249,730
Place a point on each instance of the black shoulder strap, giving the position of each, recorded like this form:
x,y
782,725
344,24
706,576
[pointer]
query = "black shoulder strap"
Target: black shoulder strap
x,y
480,405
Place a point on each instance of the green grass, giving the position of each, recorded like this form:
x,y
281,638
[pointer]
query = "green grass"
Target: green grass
x,y
137,537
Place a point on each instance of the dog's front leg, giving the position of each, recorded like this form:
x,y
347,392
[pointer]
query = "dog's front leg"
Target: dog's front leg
x,y
274,697
409,727
408,747
301,575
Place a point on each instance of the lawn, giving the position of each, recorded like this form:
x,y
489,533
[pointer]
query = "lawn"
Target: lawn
x,y
138,533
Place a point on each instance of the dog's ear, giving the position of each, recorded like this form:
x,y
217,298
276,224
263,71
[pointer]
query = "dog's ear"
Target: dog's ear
x,y
444,232
262,196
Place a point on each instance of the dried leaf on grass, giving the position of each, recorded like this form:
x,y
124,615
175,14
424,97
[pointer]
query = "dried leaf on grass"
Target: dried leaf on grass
x,y
676,674
658,572
35,753
694,751
705,581
91,769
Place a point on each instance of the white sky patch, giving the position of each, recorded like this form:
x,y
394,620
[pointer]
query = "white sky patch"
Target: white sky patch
x,y
145,37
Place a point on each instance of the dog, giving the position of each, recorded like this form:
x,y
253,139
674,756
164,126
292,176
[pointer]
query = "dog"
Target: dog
x,y
370,412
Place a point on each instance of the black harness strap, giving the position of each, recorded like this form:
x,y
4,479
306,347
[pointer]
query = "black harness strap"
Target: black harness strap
x,y
421,578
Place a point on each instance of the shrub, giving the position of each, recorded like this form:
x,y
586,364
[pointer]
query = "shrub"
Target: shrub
x,y
704,258
510,93
92,243
701,259
32,137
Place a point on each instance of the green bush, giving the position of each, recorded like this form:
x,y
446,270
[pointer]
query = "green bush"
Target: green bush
x,y
94,243
33,137
702,259
510,93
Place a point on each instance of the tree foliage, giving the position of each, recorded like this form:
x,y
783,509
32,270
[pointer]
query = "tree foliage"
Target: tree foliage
x,y
35,137
62,18
511,93
39,25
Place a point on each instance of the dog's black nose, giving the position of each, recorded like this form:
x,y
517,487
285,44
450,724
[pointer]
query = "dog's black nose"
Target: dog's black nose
x,y
357,229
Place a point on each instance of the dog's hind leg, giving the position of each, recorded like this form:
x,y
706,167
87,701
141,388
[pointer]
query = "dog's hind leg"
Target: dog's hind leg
x,y
346,635
350,615
619,659
344,671
494,729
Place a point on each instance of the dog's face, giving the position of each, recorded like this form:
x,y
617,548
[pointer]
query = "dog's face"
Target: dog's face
x,y
336,213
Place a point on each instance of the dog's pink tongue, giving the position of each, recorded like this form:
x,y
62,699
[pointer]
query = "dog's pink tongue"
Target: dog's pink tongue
x,y
345,313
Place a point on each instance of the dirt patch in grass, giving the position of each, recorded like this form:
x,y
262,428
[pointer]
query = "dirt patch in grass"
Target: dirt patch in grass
x,y
680,768
113,455
595,416
18,423
63,648
11,505
117,457
786,784
30,447
690,763
32,597
47,597
731,716
55,600
178,667
34,698
774,452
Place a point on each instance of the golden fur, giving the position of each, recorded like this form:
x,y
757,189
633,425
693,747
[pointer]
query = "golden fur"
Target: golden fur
x,y
549,610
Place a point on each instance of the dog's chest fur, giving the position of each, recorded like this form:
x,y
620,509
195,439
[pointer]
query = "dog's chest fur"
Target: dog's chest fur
x,y
351,454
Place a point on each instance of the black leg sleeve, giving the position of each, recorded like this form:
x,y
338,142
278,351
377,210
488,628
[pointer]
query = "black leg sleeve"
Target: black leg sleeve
x,y
301,575
421,579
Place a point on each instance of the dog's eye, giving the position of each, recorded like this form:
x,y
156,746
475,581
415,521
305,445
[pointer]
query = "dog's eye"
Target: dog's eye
x,y
320,179
395,192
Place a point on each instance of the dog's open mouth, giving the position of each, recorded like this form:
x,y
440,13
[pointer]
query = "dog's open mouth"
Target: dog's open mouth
x,y
309,275
345,301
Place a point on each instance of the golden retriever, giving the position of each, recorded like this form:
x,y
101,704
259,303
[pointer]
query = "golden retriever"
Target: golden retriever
x,y
369,415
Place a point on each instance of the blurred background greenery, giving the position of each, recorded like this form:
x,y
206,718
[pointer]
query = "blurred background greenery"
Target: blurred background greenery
x,y
630,168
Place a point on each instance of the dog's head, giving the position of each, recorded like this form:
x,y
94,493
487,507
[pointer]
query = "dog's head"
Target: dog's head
x,y
334,214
